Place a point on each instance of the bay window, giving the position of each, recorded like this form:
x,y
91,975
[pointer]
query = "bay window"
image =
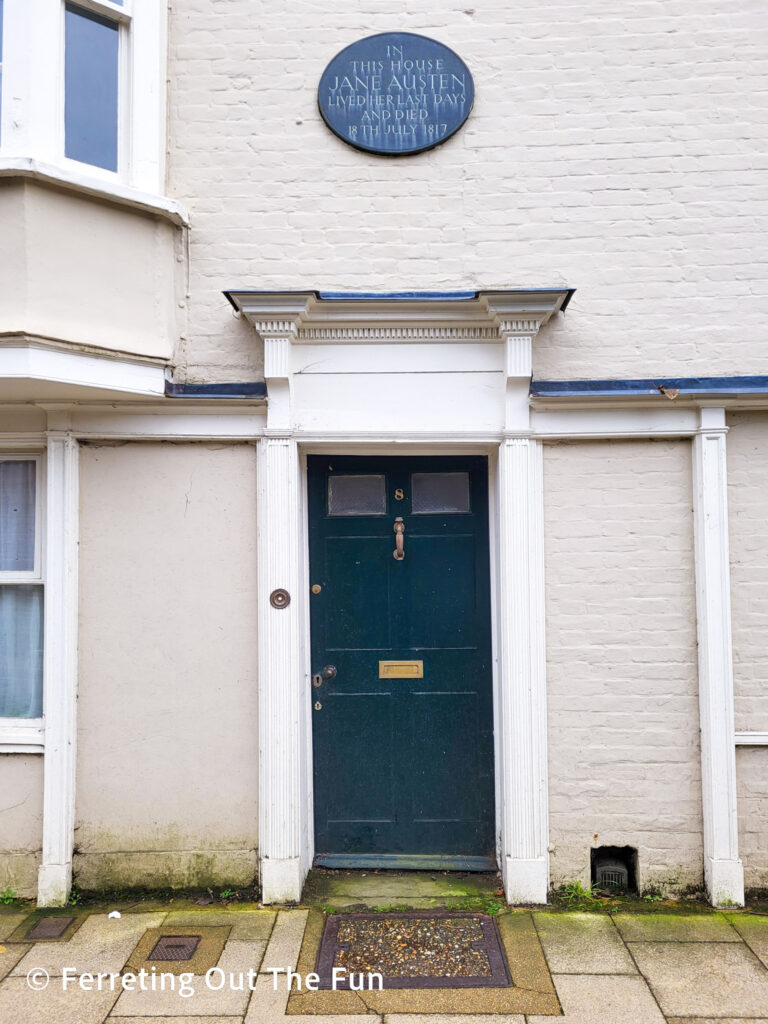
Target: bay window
x,y
82,90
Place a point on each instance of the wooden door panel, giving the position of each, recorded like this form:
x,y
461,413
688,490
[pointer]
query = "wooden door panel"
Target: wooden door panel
x,y
403,766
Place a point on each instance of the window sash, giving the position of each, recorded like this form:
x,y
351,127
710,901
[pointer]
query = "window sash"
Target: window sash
x,y
121,18
34,575
34,75
19,734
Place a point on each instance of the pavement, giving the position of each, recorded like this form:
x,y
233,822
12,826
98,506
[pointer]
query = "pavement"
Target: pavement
x,y
588,968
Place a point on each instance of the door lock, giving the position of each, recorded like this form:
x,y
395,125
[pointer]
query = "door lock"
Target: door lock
x,y
317,680
318,706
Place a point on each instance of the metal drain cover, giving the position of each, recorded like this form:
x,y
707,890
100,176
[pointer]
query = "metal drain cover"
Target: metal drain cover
x,y
440,950
50,928
175,947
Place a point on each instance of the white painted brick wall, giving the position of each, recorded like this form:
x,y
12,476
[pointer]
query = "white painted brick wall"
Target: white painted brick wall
x,y
747,454
621,150
624,754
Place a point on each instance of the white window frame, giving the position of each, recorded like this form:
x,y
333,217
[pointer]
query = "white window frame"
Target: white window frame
x,y
26,735
33,91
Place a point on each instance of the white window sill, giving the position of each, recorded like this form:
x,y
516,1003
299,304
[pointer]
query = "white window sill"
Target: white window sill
x,y
752,739
114,191
22,736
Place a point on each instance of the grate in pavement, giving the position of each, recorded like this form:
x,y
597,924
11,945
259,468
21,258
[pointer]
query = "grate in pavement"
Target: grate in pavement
x,y
50,927
445,950
175,947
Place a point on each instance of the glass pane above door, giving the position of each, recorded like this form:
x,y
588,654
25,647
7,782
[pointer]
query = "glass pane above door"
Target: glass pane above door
x,y
358,495
439,492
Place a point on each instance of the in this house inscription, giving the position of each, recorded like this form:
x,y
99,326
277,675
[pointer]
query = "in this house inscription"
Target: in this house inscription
x,y
396,93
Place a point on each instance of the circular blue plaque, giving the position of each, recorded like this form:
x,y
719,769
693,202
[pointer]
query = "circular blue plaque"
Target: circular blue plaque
x,y
396,93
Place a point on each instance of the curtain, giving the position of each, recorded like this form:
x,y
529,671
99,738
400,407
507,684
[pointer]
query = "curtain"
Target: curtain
x,y
21,651
17,516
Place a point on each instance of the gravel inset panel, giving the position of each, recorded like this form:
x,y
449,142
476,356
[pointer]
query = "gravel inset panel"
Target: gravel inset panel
x,y
443,950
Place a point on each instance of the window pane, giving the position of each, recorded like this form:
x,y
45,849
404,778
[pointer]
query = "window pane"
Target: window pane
x,y
90,88
21,651
17,516
440,492
357,495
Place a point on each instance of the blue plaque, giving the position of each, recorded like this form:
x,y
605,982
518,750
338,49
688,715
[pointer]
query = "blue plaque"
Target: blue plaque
x,y
396,93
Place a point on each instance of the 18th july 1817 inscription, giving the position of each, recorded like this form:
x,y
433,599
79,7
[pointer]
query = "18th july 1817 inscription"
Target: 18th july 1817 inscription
x,y
396,93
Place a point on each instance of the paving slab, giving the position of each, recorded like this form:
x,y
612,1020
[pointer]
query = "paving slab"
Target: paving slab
x,y
717,1020
267,1006
177,1020
285,940
19,1004
102,944
524,954
446,1018
704,979
204,1001
582,944
242,956
9,923
383,903
248,925
9,957
675,928
753,928
603,999
268,1003
395,888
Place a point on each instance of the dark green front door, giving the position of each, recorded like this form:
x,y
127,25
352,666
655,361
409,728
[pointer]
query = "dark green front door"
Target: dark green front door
x,y
401,661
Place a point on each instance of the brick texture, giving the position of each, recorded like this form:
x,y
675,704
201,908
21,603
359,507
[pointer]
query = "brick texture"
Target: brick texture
x,y
619,150
624,754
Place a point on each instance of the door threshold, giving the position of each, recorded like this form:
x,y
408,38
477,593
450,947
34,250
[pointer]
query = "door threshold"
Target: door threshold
x,y
404,862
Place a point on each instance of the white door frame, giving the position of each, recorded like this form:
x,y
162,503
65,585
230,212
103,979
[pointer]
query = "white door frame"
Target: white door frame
x,y
300,421
519,687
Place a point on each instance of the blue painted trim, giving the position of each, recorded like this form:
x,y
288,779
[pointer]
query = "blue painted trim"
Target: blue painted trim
x,y
246,389
465,296
649,386
398,296
404,861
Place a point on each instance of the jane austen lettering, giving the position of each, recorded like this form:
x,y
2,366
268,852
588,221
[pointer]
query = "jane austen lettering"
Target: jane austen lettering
x,y
396,93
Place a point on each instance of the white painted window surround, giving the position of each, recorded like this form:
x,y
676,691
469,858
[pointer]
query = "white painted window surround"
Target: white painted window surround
x,y
32,111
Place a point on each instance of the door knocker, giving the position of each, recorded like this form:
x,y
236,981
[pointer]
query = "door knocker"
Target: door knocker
x,y
399,528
